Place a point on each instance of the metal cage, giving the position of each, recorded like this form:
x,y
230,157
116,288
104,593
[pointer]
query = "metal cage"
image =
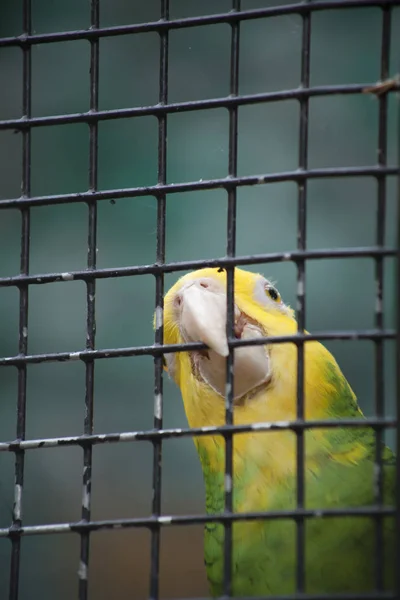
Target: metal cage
x,y
25,279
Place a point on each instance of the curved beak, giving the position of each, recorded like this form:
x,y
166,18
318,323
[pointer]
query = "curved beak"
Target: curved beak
x,y
203,316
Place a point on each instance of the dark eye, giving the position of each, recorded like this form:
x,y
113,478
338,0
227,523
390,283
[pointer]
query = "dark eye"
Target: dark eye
x,y
272,293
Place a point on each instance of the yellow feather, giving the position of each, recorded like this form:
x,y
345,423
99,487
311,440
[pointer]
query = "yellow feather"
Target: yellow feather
x,y
204,407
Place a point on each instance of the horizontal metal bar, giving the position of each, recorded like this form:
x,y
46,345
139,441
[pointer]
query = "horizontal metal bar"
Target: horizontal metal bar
x,y
209,184
303,596
157,434
154,269
167,520
372,334
189,106
162,25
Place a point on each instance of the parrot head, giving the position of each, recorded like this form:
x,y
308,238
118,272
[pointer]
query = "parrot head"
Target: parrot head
x,y
195,311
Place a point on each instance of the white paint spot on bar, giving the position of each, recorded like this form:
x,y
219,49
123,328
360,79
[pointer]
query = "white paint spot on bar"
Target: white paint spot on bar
x,y
18,502
266,425
261,180
85,499
159,317
378,305
82,571
25,332
228,483
67,276
287,256
165,520
158,406
74,355
127,437
300,287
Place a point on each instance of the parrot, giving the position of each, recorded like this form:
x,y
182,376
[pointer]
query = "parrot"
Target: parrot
x,y
339,462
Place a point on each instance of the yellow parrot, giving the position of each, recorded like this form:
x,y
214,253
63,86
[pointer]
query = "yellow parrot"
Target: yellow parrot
x,y
339,462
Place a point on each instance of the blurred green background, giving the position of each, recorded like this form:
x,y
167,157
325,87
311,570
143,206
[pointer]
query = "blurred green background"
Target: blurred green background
x,y
343,131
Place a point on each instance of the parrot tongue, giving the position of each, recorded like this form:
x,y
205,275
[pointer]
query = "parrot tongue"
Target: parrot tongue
x,y
203,317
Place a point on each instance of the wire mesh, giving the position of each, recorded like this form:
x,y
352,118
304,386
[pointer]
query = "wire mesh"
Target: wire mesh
x,y
380,172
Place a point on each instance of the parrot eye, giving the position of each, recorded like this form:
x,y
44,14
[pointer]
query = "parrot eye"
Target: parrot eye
x,y
272,293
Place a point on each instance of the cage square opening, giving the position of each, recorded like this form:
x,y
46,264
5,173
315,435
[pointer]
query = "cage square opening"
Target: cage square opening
x,y
127,232
57,317
7,487
333,212
124,397
64,229
120,564
128,153
267,65
343,131
356,36
199,63
10,165
253,4
182,572
52,491
8,406
5,560
391,126
192,8
56,399
122,480
267,138
118,12
124,311
182,478
9,328
198,145
60,158
60,79
347,284
266,219
10,243
50,17
49,565
196,222
10,19
390,220
136,84
10,80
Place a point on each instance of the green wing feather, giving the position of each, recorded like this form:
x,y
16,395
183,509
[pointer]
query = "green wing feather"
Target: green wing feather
x,y
340,552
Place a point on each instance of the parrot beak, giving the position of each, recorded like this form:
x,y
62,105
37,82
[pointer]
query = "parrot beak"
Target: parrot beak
x,y
202,309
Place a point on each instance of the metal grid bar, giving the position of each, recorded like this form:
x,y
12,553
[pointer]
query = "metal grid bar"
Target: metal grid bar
x,y
159,300
23,314
230,286
379,319
373,334
190,106
301,296
397,367
232,103
212,184
90,306
158,26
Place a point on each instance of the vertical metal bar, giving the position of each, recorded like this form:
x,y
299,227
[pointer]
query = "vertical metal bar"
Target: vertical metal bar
x,y
397,363
23,309
90,305
159,301
301,297
379,317
230,286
